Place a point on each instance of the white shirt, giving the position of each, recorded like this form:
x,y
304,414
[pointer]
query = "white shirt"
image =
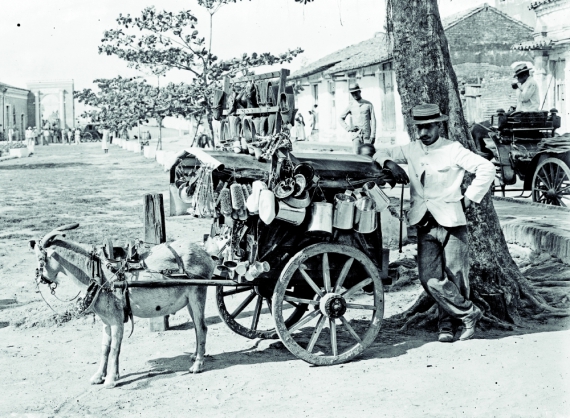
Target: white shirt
x,y
527,96
444,163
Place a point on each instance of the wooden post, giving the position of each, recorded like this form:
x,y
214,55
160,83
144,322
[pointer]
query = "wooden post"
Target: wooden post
x,y
155,233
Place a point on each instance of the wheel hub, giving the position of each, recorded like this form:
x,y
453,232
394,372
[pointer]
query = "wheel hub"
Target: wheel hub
x,y
332,305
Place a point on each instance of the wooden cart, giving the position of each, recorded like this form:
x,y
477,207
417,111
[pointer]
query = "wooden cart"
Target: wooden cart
x,y
323,296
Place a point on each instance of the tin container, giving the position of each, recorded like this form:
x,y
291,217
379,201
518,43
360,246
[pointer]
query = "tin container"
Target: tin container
x,y
365,217
321,218
343,215
375,193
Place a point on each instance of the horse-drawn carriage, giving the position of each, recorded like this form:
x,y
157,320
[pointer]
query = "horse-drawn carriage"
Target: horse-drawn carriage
x,y
310,277
524,146
89,133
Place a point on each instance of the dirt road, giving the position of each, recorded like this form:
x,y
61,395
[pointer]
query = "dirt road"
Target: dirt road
x,y
45,366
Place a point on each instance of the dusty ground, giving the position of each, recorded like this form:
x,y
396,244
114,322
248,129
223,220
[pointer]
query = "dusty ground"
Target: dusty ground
x,y
45,362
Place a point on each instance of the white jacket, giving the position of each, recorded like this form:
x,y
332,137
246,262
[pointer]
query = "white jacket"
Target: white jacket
x,y
444,163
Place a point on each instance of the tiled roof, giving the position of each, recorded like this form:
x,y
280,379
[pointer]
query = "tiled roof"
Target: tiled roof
x,y
538,43
368,52
536,4
454,19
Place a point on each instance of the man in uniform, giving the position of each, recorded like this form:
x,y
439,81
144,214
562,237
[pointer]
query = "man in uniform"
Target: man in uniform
x,y
363,127
527,90
436,167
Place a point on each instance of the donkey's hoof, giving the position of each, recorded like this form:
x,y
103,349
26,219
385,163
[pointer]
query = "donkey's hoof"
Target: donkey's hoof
x,y
97,379
197,367
110,385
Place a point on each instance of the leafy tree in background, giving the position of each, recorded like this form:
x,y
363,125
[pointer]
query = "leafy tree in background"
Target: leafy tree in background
x,y
122,103
163,40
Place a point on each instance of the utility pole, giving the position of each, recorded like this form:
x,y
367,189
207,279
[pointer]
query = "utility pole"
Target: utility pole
x,y
159,144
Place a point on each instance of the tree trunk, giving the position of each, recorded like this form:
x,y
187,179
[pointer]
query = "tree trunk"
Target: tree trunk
x,y
424,74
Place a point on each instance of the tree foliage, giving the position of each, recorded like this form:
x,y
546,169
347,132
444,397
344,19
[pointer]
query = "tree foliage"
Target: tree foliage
x,y
121,103
163,40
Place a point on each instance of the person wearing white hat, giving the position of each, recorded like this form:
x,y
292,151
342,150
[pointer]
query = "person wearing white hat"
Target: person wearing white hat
x,y
436,168
363,127
527,90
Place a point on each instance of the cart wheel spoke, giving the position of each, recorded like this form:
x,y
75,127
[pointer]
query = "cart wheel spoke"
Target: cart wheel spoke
x,y
316,333
310,281
343,274
359,306
544,181
326,273
236,291
268,303
304,321
334,345
242,306
350,329
300,300
256,312
356,288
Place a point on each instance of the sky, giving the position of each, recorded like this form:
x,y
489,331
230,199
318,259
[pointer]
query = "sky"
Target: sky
x,y
58,39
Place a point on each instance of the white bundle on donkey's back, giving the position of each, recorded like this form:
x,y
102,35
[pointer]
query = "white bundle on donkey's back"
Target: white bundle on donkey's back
x,y
92,270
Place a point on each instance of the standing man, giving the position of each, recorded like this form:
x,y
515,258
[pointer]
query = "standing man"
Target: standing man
x,y
527,90
363,119
77,136
436,167
30,140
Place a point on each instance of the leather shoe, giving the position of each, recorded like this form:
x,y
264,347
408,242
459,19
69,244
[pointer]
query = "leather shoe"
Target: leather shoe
x,y
445,336
469,324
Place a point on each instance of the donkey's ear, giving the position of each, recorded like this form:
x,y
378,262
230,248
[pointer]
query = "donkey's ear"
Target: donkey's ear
x,y
67,227
32,244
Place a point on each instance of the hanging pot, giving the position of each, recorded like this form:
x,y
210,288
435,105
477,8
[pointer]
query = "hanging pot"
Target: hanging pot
x,y
365,216
343,216
321,218
375,193
290,214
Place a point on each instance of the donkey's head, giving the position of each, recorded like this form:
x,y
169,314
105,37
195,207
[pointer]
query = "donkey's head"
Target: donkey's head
x,y
48,265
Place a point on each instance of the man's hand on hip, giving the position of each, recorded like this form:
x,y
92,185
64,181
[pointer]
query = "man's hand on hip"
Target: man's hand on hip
x,y
398,172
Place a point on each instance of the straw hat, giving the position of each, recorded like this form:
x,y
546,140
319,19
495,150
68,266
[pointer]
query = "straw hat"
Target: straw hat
x,y
352,87
427,113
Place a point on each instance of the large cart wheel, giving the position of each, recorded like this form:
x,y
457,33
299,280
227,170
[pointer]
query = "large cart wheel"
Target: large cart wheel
x,y
87,137
342,320
551,183
246,310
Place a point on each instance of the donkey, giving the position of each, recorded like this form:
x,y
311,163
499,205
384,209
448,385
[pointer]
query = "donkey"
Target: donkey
x,y
59,258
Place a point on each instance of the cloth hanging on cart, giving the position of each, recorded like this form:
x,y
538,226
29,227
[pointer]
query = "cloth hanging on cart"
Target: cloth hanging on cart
x,y
235,126
271,123
260,124
232,102
217,104
248,129
286,106
261,91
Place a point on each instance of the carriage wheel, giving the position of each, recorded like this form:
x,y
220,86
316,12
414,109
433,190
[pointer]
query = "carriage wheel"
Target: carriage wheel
x,y
87,137
551,183
247,310
342,320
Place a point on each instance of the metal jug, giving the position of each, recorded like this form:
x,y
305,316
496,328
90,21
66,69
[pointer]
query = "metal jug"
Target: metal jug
x,y
290,214
321,218
365,219
375,193
343,216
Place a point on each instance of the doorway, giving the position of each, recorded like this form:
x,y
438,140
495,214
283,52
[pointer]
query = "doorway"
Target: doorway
x,y
387,97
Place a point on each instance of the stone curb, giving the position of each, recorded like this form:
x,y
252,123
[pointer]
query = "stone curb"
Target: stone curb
x,y
538,205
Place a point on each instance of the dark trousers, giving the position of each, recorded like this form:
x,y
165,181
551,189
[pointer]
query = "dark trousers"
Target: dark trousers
x,y
443,266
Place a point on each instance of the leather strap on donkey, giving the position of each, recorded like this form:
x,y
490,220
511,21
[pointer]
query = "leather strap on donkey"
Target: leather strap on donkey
x,y
177,258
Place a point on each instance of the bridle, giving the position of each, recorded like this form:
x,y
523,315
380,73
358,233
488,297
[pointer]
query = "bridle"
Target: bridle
x,y
42,279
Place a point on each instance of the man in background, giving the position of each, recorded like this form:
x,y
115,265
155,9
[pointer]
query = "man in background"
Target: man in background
x,y
527,90
363,127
